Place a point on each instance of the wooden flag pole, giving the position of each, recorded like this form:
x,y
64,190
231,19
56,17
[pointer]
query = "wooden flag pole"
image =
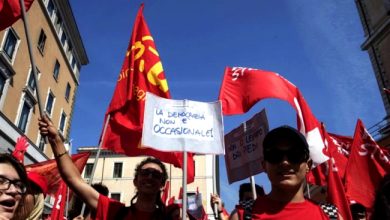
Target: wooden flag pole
x,y
33,66
215,205
96,159
184,199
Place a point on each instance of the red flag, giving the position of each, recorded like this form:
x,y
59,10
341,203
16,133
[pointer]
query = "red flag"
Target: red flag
x,y
57,212
366,167
336,193
141,72
165,193
49,170
10,12
243,87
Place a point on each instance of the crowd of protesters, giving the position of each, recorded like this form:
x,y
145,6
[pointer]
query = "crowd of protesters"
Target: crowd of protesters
x,y
286,162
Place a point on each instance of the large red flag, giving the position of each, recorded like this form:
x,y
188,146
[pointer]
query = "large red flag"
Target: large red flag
x,y
58,210
367,164
244,87
141,72
49,170
10,12
336,192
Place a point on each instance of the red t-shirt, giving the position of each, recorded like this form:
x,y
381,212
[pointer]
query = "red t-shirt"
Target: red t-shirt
x,y
265,208
108,209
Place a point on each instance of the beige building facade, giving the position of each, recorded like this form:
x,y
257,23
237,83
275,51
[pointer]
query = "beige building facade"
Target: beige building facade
x,y
59,53
375,18
116,171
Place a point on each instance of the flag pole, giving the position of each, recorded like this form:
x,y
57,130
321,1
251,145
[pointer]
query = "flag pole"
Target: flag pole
x,y
184,199
252,180
215,205
32,61
96,159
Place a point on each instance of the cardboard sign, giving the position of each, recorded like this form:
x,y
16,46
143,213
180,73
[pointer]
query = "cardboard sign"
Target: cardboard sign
x,y
244,148
183,125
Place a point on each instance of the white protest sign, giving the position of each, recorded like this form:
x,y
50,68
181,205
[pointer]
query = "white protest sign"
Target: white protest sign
x,y
183,125
244,148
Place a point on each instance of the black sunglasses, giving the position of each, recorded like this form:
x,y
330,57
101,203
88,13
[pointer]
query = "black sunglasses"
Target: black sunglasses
x,y
155,173
293,155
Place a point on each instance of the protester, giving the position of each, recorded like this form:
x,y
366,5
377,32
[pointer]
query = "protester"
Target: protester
x,y
358,211
13,186
382,200
286,162
246,200
150,177
77,204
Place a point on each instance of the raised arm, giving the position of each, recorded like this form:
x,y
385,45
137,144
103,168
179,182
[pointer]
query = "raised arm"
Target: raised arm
x,y
69,172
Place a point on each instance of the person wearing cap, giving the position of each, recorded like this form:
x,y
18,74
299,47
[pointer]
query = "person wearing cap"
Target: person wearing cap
x,y
286,162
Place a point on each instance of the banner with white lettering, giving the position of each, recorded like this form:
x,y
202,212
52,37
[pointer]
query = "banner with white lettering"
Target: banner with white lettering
x,y
183,125
244,148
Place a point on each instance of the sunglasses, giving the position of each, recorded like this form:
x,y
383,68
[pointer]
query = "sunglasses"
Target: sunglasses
x,y
147,172
293,155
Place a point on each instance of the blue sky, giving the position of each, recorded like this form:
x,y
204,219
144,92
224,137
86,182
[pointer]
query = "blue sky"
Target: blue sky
x,y
314,44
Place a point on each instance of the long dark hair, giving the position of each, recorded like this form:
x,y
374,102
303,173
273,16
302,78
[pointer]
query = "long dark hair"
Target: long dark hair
x,y
160,206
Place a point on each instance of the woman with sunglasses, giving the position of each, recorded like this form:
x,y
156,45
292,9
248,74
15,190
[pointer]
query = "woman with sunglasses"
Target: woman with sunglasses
x,y
286,162
150,177
13,181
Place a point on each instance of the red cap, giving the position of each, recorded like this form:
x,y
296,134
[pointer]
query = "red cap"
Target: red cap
x,y
38,180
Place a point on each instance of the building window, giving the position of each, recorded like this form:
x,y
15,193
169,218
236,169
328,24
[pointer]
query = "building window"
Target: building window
x,y
56,70
31,84
41,41
88,170
50,7
10,44
67,92
62,122
118,170
58,24
25,114
50,103
116,196
3,80
41,144
63,39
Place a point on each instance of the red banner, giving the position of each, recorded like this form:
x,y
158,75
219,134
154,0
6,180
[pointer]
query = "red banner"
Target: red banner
x,y
366,167
141,72
10,12
58,210
49,170
244,87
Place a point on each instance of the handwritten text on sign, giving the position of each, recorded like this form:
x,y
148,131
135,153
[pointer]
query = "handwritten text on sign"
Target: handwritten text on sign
x,y
183,125
244,150
189,123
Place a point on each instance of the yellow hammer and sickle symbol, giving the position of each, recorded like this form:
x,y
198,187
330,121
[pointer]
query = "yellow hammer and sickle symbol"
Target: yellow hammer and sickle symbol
x,y
153,77
140,52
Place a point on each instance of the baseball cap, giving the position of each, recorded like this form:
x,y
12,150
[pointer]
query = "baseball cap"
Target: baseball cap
x,y
299,147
